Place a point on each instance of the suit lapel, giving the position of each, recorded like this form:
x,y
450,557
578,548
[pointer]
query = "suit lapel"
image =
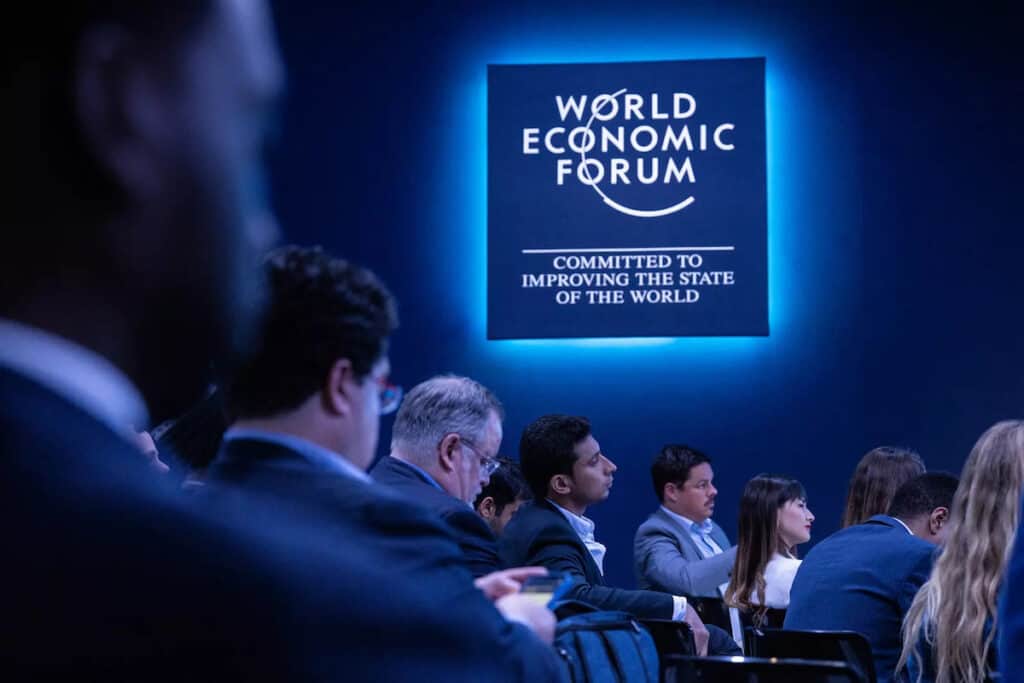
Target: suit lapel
x,y
682,534
593,573
720,538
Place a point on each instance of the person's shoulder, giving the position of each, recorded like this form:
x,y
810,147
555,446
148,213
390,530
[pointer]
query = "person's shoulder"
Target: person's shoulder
x,y
536,518
655,523
783,565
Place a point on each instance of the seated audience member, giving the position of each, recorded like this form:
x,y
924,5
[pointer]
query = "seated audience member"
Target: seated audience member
x,y
679,549
131,231
444,445
504,494
879,473
774,519
864,577
567,473
949,631
306,410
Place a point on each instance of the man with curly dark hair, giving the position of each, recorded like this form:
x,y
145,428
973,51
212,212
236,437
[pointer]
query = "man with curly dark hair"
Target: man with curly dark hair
x,y
305,414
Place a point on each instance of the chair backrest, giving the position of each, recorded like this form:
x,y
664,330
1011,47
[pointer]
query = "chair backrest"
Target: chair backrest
x,y
842,646
671,638
770,618
754,670
712,611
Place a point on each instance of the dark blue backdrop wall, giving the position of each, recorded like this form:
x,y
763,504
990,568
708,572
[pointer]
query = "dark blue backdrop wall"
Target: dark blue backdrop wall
x,y
895,248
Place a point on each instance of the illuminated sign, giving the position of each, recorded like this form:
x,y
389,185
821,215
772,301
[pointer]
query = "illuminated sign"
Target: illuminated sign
x,y
627,199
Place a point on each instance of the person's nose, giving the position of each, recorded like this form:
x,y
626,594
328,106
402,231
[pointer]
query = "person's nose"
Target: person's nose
x,y
712,491
609,466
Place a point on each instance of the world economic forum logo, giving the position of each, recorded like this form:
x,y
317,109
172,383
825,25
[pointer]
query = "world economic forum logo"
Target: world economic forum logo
x,y
611,141
627,199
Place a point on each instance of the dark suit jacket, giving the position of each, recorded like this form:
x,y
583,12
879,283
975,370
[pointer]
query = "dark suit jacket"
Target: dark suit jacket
x,y
479,547
540,535
862,578
107,575
411,609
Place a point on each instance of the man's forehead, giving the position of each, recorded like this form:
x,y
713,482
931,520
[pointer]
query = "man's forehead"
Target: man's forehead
x,y
588,447
701,472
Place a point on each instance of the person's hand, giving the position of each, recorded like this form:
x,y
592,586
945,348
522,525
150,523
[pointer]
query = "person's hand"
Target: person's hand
x,y
145,443
506,582
524,610
700,631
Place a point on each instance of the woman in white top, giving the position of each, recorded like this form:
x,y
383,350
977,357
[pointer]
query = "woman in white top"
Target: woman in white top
x,y
774,519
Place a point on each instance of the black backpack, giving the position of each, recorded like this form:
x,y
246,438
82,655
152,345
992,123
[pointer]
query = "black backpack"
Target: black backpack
x,y
606,647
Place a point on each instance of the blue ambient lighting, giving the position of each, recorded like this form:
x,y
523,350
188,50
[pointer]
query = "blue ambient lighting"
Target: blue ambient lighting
x,y
795,125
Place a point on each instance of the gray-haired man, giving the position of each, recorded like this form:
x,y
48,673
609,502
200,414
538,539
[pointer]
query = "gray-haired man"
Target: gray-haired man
x,y
443,447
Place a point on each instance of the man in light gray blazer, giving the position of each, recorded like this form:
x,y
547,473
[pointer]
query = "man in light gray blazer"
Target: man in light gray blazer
x,y
679,549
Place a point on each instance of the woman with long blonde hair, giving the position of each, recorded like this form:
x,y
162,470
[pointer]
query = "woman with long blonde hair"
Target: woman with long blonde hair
x,y
949,631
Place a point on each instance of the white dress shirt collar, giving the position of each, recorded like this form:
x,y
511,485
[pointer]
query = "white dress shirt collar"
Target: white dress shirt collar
x,y
584,528
688,523
72,371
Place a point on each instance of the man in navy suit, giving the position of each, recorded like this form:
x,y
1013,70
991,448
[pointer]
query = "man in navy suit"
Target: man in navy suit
x,y
131,234
568,472
306,410
864,577
444,447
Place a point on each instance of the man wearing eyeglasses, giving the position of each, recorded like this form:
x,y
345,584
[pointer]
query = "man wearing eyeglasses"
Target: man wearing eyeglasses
x,y
305,411
443,451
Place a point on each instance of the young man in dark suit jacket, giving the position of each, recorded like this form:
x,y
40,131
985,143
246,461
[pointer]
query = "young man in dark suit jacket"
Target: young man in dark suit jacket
x,y
864,577
444,447
306,409
568,472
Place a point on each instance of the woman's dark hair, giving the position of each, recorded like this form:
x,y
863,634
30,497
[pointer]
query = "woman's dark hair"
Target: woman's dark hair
x,y
879,473
759,538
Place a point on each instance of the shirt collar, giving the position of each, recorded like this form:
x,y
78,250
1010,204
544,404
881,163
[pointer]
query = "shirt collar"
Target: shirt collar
x,y
422,472
904,525
583,526
318,455
72,371
690,525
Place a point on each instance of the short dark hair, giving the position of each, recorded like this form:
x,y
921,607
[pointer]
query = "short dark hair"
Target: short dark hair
x,y
672,465
547,448
321,309
507,485
922,494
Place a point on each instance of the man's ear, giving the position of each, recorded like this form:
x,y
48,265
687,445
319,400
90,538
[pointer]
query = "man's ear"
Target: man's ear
x,y
561,484
446,452
669,492
339,388
120,108
487,509
937,519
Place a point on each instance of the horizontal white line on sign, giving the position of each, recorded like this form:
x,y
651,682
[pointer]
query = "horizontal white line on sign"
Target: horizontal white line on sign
x,y
623,249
